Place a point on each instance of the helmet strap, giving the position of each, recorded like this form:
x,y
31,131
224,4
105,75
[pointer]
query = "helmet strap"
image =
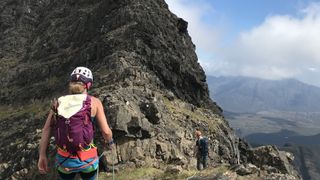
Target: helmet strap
x,y
88,85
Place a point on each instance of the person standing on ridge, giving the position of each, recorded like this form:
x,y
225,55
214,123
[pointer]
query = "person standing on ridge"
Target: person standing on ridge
x,y
72,119
202,150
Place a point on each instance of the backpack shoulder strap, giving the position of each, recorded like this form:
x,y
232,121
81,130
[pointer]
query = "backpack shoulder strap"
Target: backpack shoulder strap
x,y
89,98
54,107
88,102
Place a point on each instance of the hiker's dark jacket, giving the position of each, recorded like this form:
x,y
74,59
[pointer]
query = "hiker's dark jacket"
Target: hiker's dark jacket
x,y
203,146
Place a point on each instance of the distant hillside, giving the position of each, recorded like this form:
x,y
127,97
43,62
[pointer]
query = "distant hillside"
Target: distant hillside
x,y
282,138
245,94
283,113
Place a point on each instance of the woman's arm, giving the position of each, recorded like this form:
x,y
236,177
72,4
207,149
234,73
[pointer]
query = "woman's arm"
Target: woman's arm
x,y
102,121
45,136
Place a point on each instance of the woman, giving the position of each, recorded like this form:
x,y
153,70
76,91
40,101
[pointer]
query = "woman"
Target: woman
x,y
76,152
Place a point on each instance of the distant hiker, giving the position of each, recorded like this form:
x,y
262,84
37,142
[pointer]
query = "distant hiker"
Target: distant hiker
x,y
202,150
72,118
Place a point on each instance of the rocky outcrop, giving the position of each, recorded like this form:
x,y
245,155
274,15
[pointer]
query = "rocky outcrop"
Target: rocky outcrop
x,y
270,160
145,71
125,43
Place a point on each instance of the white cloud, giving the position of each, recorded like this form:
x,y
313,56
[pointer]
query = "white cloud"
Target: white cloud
x,y
283,46
312,69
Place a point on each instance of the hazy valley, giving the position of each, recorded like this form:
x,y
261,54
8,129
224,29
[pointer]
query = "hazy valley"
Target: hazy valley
x,y
285,113
254,105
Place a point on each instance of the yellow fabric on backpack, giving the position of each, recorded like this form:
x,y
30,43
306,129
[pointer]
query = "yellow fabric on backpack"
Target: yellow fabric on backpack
x,y
70,104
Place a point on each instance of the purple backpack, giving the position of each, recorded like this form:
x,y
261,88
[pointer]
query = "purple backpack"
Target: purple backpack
x,y
76,132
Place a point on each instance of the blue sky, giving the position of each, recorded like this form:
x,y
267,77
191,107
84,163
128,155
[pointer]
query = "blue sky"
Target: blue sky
x,y
271,39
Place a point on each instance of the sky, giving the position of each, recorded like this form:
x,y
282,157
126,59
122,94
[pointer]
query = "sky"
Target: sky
x,y
269,39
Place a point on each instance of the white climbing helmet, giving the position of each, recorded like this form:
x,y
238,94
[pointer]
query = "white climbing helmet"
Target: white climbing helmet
x,y
82,74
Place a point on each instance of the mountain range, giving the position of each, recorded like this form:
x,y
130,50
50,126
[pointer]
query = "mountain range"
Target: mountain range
x,y
248,94
254,105
284,113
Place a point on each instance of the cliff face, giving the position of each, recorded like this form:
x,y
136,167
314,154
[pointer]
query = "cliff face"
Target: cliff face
x,y
145,71
120,41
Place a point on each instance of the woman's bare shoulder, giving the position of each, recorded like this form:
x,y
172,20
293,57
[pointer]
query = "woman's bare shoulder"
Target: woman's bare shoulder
x,y
96,101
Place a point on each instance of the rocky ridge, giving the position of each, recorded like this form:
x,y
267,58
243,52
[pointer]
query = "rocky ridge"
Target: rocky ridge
x,y
145,71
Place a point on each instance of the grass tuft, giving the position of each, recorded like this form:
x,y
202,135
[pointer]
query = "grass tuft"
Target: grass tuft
x,y
147,173
132,174
35,108
198,114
